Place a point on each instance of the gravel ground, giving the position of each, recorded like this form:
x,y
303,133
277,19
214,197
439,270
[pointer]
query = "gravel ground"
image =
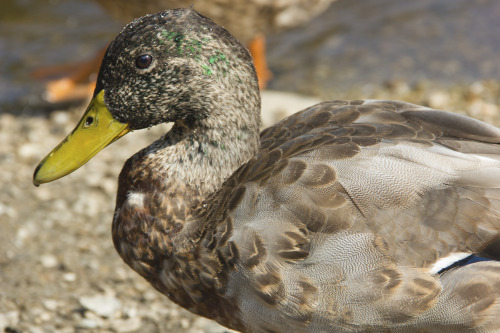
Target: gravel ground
x,y
59,271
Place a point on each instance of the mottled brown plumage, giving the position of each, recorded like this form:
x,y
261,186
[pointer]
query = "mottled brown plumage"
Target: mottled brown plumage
x,y
343,217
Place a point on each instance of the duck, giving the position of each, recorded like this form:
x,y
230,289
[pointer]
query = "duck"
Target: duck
x,y
347,216
249,20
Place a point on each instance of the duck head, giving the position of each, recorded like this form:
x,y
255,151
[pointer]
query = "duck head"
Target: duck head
x,y
173,66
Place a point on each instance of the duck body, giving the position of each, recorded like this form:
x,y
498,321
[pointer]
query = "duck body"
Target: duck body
x,y
349,216
317,231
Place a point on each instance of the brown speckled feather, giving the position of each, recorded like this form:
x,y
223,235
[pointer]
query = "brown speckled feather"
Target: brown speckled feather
x,y
349,216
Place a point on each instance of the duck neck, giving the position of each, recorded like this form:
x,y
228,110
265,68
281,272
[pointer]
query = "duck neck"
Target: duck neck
x,y
162,187
202,154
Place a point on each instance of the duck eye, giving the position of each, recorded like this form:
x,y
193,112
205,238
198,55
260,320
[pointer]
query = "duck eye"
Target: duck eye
x,y
143,61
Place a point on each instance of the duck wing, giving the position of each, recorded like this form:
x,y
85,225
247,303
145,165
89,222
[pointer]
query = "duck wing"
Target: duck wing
x,y
352,212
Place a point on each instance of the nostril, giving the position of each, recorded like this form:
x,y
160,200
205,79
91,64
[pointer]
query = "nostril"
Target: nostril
x,y
89,121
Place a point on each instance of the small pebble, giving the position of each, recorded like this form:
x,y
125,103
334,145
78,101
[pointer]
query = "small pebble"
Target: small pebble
x,y
50,304
88,323
102,305
439,100
7,319
48,260
29,151
69,277
126,325
60,117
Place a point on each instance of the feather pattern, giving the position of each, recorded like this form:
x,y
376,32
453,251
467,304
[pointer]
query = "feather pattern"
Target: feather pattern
x,y
339,219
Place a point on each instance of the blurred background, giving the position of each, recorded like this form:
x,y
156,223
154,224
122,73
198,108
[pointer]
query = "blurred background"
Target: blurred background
x,y
352,48
58,269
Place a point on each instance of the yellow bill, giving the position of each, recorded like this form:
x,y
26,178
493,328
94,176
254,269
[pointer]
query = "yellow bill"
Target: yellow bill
x,y
96,130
